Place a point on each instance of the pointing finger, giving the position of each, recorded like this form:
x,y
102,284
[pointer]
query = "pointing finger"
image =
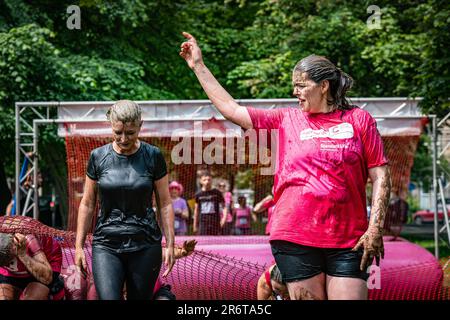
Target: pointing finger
x,y
189,36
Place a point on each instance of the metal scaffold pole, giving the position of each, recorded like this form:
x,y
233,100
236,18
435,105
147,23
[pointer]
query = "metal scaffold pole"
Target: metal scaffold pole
x,y
435,192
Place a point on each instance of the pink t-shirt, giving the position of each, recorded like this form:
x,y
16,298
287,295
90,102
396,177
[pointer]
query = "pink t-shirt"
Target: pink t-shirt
x,y
47,245
52,251
322,163
269,205
243,216
228,203
16,268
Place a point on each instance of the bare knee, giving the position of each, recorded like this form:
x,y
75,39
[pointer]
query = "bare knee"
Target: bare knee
x,y
309,289
342,288
301,293
305,294
35,291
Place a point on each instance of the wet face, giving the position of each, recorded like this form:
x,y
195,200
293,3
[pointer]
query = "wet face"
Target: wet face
x,y
125,135
311,96
206,182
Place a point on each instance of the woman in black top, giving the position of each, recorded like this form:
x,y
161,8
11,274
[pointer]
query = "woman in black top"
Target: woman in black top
x,y
126,243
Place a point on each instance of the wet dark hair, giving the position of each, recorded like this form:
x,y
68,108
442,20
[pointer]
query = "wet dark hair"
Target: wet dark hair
x,y
6,242
275,274
318,69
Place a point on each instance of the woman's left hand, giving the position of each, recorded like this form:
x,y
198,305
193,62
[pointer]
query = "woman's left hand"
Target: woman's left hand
x,y
372,242
169,260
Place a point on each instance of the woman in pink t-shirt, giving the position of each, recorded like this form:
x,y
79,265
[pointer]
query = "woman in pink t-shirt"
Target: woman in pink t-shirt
x,y
243,215
326,151
227,208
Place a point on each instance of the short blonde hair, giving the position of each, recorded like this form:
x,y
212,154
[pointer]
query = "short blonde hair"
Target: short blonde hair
x,y
124,111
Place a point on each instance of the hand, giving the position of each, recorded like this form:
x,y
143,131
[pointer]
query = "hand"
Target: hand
x,y
372,242
169,260
188,247
80,261
190,51
20,243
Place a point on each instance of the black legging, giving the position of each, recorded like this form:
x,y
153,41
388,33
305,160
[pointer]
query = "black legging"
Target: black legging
x,y
138,269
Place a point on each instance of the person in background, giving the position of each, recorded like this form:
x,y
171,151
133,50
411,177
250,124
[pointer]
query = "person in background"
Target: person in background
x,y
208,219
397,214
228,197
243,215
180,208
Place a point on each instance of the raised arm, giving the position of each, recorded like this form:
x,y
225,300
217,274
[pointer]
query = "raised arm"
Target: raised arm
x,y
196,218
190,51
85,213
167,220
259,207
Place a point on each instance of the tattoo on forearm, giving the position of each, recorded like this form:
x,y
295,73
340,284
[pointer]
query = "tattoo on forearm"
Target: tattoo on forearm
x,y
381,202
36,268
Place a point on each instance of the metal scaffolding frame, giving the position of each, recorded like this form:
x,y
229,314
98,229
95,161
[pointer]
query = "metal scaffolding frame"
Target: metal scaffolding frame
x,y
443,180
27,133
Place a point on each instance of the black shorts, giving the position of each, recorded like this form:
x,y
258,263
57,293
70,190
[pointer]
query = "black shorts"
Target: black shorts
x,y
298,262
55,286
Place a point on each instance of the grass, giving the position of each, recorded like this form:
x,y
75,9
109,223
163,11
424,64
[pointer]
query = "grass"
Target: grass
x,y
444,249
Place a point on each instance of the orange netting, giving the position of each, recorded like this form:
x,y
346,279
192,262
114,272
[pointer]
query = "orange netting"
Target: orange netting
x,y
210,273
399,150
